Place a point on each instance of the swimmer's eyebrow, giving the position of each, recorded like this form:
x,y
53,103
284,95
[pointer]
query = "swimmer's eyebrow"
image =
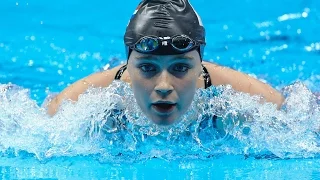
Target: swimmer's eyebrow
x,y
152,57
178,57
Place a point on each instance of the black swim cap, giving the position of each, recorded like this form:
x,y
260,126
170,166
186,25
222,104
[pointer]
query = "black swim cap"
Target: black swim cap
x,y
165,18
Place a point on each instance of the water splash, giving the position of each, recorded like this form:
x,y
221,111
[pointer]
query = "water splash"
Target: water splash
x,y
105,123
291,132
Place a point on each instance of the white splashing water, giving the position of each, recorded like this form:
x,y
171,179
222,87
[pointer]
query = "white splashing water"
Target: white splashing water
x,y
105,123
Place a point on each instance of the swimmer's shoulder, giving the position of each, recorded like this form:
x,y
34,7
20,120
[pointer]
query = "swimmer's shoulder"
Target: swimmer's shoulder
x,y
72,92
222,75
216,72
106,77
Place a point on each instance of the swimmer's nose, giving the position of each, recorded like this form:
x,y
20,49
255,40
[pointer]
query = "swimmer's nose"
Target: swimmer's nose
x,y
164,86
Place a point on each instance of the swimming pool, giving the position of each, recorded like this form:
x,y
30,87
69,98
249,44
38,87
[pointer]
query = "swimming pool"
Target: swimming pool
x,y
44,46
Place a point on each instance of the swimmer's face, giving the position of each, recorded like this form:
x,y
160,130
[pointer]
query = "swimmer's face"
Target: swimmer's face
x,y
164,85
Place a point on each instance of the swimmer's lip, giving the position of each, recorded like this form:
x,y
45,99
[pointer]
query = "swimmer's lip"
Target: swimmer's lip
x,y
164,102
164,111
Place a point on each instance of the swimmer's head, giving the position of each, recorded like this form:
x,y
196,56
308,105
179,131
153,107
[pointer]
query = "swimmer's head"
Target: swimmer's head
x,y
165,41
164,85
165,27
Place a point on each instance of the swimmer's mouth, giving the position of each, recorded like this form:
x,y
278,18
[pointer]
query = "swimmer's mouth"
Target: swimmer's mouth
x,y
164,107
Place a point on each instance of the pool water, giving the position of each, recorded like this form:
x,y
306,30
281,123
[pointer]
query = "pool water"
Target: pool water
x,y
45,46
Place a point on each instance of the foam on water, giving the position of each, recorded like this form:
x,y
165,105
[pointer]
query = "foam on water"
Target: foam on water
x,y
106,123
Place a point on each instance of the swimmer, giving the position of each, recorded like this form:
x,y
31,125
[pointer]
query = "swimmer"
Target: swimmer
x,y
165,41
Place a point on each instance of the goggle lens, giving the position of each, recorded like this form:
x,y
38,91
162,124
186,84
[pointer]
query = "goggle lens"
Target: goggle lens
x,y
182,43
147,44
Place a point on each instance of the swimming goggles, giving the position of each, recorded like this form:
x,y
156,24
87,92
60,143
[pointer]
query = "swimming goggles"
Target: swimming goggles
x,y
171,45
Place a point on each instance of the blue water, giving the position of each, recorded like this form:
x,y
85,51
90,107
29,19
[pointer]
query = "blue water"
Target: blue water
x,y
44,46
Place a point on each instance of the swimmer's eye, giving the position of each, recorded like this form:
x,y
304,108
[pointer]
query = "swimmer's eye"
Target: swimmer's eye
x,y
147,68
181,68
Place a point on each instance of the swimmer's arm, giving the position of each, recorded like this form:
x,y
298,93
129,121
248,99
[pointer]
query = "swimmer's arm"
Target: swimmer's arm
x,y
243,82
101,79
